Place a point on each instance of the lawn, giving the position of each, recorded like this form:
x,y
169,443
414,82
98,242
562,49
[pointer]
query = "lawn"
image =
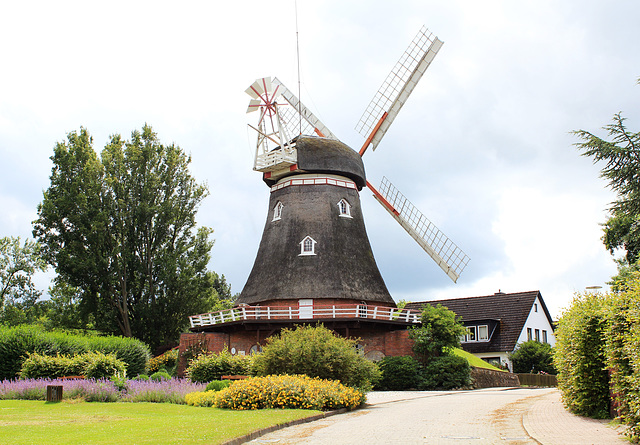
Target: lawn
x,y
475,361
73,422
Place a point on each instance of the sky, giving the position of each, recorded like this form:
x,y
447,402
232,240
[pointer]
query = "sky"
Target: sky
x,y
483,147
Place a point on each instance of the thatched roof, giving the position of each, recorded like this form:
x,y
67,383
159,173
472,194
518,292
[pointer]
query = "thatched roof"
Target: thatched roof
x,y
343,266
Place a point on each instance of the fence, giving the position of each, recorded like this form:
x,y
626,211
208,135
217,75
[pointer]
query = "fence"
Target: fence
x,y
538,380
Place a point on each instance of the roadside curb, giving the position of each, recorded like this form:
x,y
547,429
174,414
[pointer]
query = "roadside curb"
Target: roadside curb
x,y
255,434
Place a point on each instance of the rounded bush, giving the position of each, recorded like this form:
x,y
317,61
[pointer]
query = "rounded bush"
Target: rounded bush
x,y
217,385
159,376
208,367
446,372
103,366
316,352
398,373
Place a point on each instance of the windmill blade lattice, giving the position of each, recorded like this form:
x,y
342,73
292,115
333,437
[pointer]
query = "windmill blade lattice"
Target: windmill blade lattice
x,y
299,119
444,252
397,87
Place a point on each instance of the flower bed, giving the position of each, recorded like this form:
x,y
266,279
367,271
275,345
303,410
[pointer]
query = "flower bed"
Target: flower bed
x,y
281,391
101,390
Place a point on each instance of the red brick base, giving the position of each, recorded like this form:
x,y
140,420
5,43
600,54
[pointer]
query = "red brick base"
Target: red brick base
x,y
376,343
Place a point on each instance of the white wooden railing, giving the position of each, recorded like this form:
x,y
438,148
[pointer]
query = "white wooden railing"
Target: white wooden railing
x,y
305,313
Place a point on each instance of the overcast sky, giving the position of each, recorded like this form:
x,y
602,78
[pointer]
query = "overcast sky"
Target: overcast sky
x,y
483,146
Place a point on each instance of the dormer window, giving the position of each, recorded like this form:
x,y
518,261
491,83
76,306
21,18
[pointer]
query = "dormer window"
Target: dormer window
x,y
308,246
344,208
277,211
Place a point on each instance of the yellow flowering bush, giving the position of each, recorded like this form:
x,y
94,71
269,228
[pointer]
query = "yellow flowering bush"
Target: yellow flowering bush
x,y
201,398
167,360
287,391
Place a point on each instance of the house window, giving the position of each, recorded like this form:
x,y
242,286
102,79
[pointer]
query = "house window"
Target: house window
x,y
277,211
344,208
535,307
537,334
471,333
483,333
544,337
529,334
308,246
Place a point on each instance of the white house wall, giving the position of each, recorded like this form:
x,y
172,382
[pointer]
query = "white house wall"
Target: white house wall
x,y
537,320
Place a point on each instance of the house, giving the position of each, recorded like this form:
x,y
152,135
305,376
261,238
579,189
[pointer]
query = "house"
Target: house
x,y
497,323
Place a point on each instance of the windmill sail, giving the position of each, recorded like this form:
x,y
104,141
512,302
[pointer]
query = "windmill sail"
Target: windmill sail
x,y
397,87
444,252
298,118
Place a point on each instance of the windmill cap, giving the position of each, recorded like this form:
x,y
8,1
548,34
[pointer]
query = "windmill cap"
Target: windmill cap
x,y
322,155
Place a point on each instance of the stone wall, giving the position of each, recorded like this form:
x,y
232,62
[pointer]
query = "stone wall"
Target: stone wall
x,y
488,378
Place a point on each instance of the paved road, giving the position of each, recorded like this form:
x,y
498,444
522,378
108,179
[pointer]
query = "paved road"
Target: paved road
x,y
512,416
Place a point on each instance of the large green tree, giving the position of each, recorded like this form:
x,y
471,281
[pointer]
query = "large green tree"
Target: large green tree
x,y
18,263
620,153
121,228
439,332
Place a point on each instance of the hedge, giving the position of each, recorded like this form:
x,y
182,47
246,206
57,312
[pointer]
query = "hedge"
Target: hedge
x,y
16,342
580,356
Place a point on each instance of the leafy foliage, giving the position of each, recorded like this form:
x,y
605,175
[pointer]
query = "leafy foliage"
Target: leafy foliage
x,y
439,332
316,352
533,357
17,342
121,228
580,356
398,373
18,263
446,372
167,361
95,365
217,385
208,367
623,358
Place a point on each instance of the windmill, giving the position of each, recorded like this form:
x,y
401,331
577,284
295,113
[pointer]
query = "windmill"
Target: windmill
x,y
283,115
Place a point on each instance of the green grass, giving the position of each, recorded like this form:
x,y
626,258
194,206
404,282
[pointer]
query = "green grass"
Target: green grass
x,y
69,422
475,361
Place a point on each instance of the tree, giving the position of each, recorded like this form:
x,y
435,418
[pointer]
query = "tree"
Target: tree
x,y
439,332
121,229
533,357
18,263
621,155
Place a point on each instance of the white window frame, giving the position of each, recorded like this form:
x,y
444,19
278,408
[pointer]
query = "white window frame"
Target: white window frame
x,y
545,339
537,335
485,328
277,211
529,334
472,333
307,246
344,208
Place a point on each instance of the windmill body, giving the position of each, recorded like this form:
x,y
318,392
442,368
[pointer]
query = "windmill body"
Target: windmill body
x,y
314,263
318,202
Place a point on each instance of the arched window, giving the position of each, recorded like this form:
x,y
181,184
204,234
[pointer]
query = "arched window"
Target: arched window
x,y
344,208
308,246
277,211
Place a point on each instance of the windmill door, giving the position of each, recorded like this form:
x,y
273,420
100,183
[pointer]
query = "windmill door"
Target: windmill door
x,y
305,308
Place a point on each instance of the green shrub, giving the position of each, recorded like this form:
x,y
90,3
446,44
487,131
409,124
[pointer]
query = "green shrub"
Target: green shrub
x,y
208,367
16,342
91,365
446,372
623,359
398,373
142,377
316,352
580,357
103,366
533,357
439,332
217,385
38,366
159,376
168,361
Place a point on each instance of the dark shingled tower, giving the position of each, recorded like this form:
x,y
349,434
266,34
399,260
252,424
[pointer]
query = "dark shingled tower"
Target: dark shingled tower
x,y
318,202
